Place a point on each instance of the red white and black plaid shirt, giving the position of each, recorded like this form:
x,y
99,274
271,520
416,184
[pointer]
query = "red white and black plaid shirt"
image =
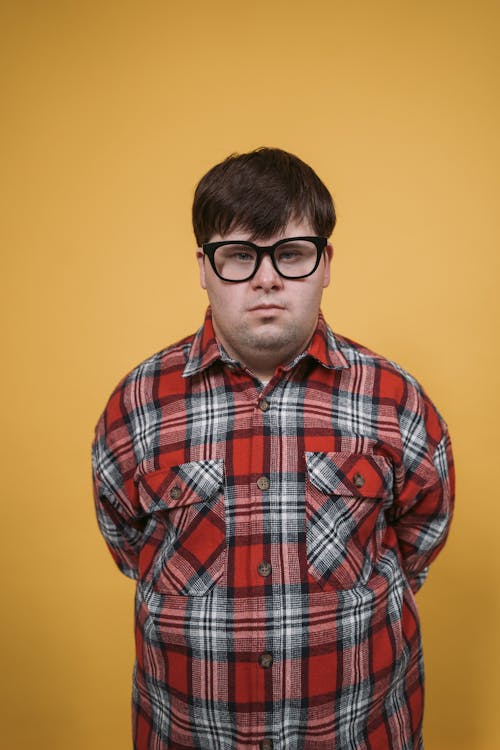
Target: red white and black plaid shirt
x,y
277,534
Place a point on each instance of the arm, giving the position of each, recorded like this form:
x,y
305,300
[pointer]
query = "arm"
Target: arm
x,y
114,463
423,508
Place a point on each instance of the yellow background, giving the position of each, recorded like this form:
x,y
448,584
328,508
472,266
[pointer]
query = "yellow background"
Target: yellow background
x,y
111,112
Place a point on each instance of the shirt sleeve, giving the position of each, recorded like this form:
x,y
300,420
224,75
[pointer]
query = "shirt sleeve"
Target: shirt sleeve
x,y
423,509
114,464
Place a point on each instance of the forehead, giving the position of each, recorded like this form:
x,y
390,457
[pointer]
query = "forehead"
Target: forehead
x,y
294,228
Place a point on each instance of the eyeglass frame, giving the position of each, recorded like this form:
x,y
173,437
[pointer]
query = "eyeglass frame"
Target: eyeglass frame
x,y
209,249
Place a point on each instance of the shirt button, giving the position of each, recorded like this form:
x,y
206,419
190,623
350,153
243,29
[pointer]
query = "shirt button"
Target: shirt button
x,y
266,660
264,404
266,745
263,483
358,479
175,493
264,568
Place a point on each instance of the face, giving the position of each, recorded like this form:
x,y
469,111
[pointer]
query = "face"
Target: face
x,y
268,320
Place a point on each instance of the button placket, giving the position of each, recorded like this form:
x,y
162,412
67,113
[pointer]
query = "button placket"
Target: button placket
x,y
262,417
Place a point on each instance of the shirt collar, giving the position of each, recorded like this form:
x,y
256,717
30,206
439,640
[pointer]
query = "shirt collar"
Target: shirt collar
x,y
324,347
205,349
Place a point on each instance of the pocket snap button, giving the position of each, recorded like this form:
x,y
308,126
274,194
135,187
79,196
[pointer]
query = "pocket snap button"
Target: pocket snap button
x,y
358,479
175,493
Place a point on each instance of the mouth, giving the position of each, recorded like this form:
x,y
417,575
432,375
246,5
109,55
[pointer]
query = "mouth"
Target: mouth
x,y
266,308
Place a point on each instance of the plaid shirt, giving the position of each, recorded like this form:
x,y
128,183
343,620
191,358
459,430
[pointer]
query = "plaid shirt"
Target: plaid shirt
x,y
277,534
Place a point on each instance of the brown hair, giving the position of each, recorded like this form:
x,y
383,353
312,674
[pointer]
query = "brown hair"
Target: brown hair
x,y
260,191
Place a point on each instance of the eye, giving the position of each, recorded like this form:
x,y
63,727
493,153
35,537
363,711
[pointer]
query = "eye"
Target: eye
x,y
241,256
291,252
234,261
296,258
288,255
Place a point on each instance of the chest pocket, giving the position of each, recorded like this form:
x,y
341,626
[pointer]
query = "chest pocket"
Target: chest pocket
x,y
185,549
346,495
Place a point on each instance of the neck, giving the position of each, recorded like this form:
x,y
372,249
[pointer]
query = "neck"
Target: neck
x,y
262,361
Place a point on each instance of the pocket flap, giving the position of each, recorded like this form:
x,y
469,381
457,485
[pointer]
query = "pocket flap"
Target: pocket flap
x,y
185,484
357,475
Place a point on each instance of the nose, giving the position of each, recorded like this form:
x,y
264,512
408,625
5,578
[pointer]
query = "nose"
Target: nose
x,y
266,277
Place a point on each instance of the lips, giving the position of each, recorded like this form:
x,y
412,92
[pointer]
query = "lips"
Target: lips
x,y
265,308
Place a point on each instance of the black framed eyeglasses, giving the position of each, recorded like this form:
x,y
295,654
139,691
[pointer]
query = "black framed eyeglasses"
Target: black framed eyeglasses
x,y
292,257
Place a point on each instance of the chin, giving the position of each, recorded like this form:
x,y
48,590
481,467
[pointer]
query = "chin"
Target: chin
x,y
272,341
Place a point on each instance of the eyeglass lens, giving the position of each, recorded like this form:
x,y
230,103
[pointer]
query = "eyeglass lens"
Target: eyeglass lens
x,y
237,261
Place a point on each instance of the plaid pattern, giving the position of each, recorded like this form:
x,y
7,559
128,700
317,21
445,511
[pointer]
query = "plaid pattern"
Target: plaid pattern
x,y
277,534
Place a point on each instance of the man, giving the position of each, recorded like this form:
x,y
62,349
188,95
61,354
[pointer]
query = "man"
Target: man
x,y
277,491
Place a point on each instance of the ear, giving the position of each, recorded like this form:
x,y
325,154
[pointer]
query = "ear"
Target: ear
x,y
200,257
328,259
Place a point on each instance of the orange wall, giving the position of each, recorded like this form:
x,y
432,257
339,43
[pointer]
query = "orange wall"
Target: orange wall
x,y
111,111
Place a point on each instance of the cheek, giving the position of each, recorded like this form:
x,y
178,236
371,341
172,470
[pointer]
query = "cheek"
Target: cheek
x,y
311,301
223,300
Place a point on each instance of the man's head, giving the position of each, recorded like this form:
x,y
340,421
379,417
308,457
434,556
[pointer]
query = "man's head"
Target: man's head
x,y
264,196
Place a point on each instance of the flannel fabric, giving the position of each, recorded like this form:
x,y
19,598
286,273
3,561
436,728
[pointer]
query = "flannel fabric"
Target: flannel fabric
x,y
277,533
